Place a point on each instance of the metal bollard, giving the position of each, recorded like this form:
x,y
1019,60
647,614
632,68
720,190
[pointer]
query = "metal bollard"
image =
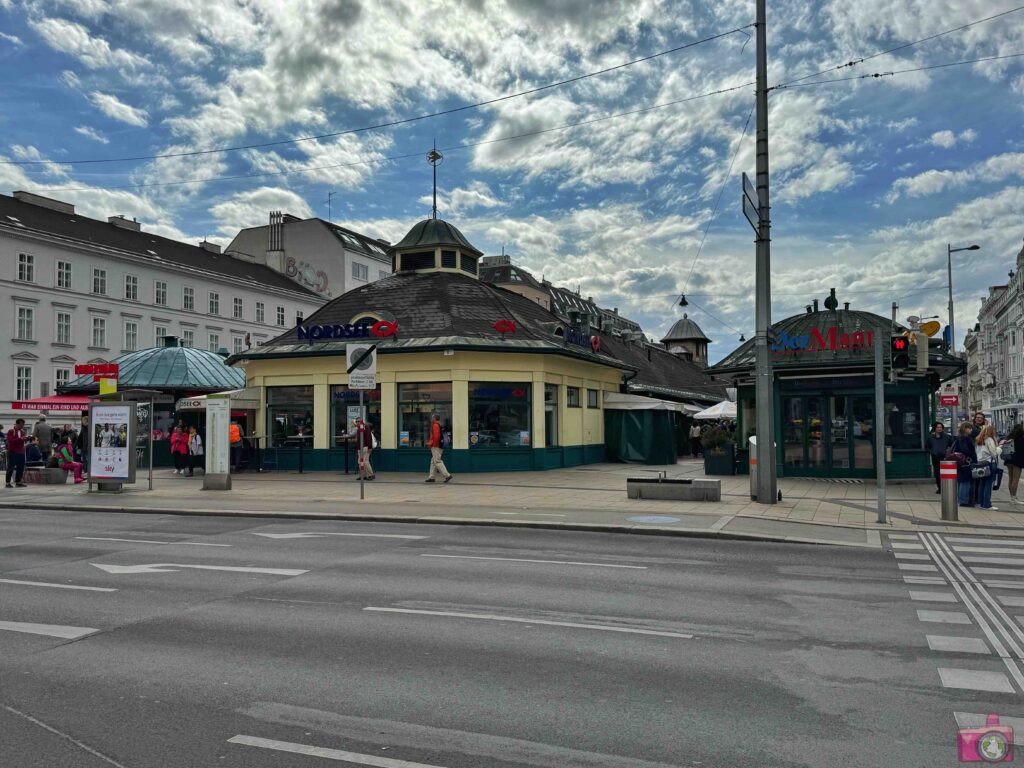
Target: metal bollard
x,y
948,485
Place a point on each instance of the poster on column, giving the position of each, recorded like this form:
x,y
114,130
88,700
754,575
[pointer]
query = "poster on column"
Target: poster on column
x,y
112,442
218,444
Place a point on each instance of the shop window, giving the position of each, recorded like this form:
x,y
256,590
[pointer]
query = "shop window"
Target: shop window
x,y
290,416
593,399
468,264
499,415
419,260
903,421
448,259
572,397
416,403
551,415
345,408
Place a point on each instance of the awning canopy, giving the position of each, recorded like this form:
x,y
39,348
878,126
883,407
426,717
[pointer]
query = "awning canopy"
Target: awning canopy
x,y
247,399
53,403
616,401
724,410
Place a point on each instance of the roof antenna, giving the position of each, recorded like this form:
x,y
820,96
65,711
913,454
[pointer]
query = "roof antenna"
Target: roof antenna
x,y
435,158
329,196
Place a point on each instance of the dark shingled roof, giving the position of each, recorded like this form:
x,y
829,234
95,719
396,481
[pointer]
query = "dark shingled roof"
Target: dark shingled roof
x,y
662,374
509,273
685,329
169,369
17,215
431,232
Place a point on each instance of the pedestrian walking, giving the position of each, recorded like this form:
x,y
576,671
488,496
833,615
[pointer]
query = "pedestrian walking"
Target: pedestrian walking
x,y
235,445
195,451
179,450
988,454
16,454
939,444
365,443
1015,462
695,446
965,454
436,451
43,432
83,441
66,459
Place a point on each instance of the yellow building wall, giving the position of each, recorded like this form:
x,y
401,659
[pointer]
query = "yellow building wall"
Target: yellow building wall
x,y
578,426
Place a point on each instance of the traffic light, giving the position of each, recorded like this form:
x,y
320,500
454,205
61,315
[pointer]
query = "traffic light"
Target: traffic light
x,y
899,352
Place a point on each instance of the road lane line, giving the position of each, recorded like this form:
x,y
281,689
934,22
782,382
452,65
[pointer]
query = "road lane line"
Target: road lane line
x,y
49,630
985,540
61,734
948,617
924,580
324,752
998,571
1012,600
520,620
906,545
992,560
989,550
910,555
149,541
524,560
935,597
956,644
56,586
318,534
916,567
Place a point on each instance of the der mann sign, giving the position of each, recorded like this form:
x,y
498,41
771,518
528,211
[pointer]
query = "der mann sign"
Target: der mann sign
x,y
819,340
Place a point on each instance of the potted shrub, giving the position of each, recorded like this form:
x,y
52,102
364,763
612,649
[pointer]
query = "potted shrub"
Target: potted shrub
x,y
719,452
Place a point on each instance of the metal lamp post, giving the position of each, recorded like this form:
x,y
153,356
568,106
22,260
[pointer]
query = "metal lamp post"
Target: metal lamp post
x,y
950,250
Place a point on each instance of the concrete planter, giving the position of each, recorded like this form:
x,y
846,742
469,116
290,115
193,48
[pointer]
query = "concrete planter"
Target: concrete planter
x,y
666,489
720,463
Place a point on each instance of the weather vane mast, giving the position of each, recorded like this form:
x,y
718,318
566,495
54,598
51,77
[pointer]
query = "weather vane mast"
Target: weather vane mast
x,y
435,158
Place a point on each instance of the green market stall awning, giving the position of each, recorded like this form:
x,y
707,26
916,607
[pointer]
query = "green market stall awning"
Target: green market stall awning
x,y
169,369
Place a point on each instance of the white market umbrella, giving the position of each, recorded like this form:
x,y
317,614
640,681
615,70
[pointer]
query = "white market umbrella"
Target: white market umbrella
x,y
723,410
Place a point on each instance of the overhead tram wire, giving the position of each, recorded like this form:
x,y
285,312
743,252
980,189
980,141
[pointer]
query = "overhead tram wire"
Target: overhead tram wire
x,y
391,158
391,123
891,73
861,60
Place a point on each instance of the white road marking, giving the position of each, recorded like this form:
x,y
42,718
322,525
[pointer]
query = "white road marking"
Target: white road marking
x,y
50,630
990,550
949,617
328,754
57,586
975,680
973,720
924,580
935,597
72,739
998,571
993,560
956,644
1000,584
171,567
720,523
524,560
316,535
903,536
521,620
874,538
911,556
985,540
148,541
907,545
1012,600
916,567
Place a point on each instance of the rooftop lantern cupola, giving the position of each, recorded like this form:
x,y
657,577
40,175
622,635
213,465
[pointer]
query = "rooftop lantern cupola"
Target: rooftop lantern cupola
x,y
434,245
686,340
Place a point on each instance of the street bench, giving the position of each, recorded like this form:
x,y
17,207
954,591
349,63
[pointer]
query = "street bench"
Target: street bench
x,y
46,475
674,489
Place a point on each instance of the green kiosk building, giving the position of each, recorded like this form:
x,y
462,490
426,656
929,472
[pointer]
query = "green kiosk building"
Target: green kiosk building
x,y
824,406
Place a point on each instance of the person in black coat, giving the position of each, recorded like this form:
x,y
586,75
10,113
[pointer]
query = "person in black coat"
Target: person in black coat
x,y
939,443
964,444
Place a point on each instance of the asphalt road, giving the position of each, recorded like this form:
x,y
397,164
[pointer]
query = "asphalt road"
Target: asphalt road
x,y
467,646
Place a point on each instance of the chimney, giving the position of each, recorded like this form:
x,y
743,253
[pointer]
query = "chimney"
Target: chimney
x,y
275,241
44,202
124,223
815,304
208,246
846,306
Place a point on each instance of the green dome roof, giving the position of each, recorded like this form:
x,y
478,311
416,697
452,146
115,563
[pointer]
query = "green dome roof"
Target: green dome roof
x,y
169,368
431,232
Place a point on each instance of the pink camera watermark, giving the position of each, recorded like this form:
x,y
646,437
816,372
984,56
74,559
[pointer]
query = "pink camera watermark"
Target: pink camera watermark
x,y
988,743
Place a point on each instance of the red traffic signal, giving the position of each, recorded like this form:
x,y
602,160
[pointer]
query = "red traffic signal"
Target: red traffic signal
x,y
899,351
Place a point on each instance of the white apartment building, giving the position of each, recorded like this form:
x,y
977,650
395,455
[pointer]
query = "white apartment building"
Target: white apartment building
x,y
996,351
80,290
326,258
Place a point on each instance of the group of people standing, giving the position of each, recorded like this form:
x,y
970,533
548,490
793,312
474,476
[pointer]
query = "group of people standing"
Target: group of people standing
x,y
186,449
44,446
976,449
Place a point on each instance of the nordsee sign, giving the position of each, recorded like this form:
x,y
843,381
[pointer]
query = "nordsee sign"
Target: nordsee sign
x,y
381,328
817,341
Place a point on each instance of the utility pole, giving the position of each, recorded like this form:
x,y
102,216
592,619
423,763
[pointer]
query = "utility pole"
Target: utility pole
x,y
330,195
764,377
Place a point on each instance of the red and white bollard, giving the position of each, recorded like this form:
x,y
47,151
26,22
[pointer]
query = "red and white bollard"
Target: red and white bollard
x,y
948,486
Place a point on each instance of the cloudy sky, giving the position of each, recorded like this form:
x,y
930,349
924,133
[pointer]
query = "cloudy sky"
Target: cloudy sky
x,y
870,178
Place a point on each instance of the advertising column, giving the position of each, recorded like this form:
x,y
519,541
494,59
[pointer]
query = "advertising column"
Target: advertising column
x,y
218,461
112,445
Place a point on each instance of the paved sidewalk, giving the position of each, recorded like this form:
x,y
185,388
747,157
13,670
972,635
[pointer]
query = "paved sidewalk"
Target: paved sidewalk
x,y
587,497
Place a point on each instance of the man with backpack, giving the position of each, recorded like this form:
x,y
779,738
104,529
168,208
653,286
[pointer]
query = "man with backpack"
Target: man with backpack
x,y
436,445
365,443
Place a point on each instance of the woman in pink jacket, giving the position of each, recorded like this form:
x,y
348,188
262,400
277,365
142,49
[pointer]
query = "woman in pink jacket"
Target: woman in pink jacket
x,y
179,450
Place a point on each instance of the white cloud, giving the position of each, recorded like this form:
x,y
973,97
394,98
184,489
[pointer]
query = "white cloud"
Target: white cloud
x,y
92,133
12,39
343,161
114,108
948,139
70,79
43,163
995,169
94,52
460,200
250,209
899,126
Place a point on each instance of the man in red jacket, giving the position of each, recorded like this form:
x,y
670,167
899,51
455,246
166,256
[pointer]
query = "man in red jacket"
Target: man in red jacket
x,y
16,454
436,451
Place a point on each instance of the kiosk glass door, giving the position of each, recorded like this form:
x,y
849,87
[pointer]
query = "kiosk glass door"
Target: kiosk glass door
x,y
828,435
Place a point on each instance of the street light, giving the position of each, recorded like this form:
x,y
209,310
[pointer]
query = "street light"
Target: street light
x,y
950,250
